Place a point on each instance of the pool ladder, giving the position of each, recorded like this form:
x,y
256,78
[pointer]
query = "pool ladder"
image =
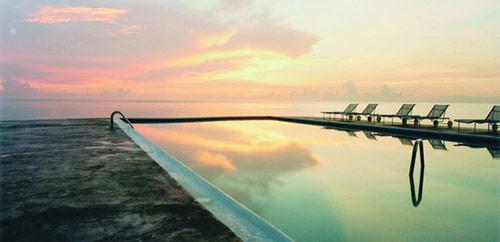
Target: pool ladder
x,y
111,123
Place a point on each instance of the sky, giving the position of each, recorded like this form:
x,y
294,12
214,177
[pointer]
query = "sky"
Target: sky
x,y
251,50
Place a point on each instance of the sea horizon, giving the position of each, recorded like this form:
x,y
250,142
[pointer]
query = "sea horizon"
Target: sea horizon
x,y
26,109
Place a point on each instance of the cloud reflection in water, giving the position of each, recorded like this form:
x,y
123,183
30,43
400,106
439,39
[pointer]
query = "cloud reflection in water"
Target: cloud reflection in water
x,y
246,163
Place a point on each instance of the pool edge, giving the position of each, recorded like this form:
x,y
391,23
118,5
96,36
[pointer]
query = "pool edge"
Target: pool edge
x,y
247,225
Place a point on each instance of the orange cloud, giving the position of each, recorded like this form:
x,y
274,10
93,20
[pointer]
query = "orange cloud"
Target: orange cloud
x,y
55,15
216,39
274,37
212,160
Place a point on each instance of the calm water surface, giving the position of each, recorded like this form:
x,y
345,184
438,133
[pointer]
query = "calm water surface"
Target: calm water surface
x,y
320,184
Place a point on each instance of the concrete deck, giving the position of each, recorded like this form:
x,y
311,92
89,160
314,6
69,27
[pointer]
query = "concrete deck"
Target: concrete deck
x,y
77,180
481,137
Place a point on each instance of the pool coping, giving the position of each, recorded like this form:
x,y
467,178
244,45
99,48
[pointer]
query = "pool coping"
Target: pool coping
x,y
247,225
412,132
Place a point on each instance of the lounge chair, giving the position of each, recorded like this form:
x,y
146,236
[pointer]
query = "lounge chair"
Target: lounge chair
x,y
368,111
348,110
403,113
493,118
437,115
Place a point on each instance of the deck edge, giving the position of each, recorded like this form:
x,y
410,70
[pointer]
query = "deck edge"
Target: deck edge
x,y
247,225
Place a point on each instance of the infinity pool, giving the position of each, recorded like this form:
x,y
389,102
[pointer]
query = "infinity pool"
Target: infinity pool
x,y
318,184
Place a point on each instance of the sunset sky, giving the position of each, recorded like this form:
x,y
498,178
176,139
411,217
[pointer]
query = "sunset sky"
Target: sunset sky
x,y
250,50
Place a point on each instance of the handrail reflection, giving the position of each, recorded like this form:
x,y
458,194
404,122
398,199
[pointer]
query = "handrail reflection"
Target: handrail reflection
x,y
417,198
418,144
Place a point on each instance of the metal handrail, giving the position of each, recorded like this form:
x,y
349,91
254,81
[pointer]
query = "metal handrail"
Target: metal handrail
x,y
123,118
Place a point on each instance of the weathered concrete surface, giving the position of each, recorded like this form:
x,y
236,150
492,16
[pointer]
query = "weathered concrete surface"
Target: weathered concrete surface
x,y
77,180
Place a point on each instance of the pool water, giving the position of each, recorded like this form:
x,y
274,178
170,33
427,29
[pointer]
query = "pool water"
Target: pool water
x,y
318,184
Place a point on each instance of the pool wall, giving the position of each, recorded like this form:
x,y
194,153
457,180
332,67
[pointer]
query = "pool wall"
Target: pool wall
x,y
407,131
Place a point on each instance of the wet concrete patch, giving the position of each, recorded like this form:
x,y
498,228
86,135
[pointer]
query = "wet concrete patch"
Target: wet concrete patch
x,y
77,180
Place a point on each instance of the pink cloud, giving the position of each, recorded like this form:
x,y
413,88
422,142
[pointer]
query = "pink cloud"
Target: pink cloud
x,y
55,15
13,88
130,29
102,53
192,70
